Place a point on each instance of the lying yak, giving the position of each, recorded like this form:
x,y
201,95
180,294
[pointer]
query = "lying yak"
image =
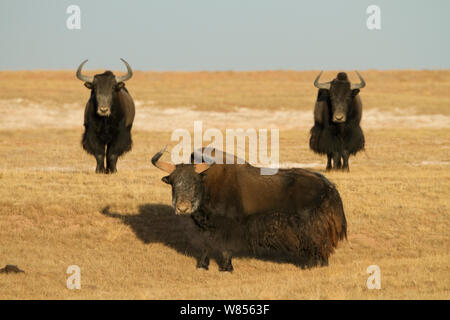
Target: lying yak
x,y
296,214
337,115
108,117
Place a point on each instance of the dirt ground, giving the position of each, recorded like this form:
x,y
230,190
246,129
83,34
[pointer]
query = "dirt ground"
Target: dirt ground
x,y
122,233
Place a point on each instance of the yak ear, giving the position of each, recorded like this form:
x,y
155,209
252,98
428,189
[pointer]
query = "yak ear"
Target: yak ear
x,y
165,179
355,92
89,85
119,86
201,167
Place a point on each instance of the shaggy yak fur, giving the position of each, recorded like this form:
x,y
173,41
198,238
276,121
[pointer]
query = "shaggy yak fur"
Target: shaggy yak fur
x,y
112,131
295,215
338,139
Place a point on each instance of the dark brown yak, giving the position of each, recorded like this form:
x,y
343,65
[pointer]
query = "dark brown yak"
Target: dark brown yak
x,y
296,215
108,117
337,115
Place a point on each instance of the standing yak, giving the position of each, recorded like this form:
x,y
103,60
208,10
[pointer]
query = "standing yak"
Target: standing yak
x,y
295,215
108,117
337,115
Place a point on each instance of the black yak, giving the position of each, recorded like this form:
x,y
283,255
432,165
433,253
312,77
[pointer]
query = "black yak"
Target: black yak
x,y
108,117
296,215
337,116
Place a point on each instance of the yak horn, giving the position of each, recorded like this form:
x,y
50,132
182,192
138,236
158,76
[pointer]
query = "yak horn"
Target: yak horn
x,y
165,166
323,85
359,85
128,75
200,167
81,76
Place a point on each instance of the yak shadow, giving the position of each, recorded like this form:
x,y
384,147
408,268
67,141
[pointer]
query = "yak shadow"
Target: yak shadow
x,y
158,223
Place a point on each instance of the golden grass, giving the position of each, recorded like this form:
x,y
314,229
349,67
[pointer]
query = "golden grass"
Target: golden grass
x,y
423,92
396,199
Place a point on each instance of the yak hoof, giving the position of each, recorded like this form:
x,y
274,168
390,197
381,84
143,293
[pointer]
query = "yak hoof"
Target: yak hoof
x,y
226,268
204,264
202,267
100,170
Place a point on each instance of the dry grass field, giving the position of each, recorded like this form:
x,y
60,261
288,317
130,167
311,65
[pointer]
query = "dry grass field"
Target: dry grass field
x,y
121,231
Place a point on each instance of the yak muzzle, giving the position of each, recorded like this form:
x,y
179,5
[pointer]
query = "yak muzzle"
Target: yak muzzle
x,y
183,207
104,111
339,117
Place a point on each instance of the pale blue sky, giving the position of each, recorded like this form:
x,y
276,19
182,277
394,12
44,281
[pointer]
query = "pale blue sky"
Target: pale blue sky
x,y
225,35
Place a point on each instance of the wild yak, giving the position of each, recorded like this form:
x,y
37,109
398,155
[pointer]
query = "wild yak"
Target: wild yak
x,y
108,117
337,115
296,215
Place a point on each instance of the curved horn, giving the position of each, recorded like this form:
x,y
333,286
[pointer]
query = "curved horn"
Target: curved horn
x,y
165,166
81,76
358,85
323,85
200,167
128,75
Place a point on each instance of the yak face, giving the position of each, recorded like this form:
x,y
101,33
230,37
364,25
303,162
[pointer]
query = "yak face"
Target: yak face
x,y
341,93
341,96
186,181
105,87
187,188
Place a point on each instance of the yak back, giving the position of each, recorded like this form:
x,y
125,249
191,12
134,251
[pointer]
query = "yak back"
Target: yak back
x,y
239,190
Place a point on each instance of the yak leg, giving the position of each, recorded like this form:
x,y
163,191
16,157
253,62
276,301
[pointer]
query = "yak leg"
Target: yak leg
x,y
115,149
336,160
111,161
203,261
93,146
345,156
100,163
226,262
329,156
111,157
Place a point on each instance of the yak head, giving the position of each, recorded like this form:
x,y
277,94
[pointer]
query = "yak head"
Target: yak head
x,y
341,93
104,85
186,182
